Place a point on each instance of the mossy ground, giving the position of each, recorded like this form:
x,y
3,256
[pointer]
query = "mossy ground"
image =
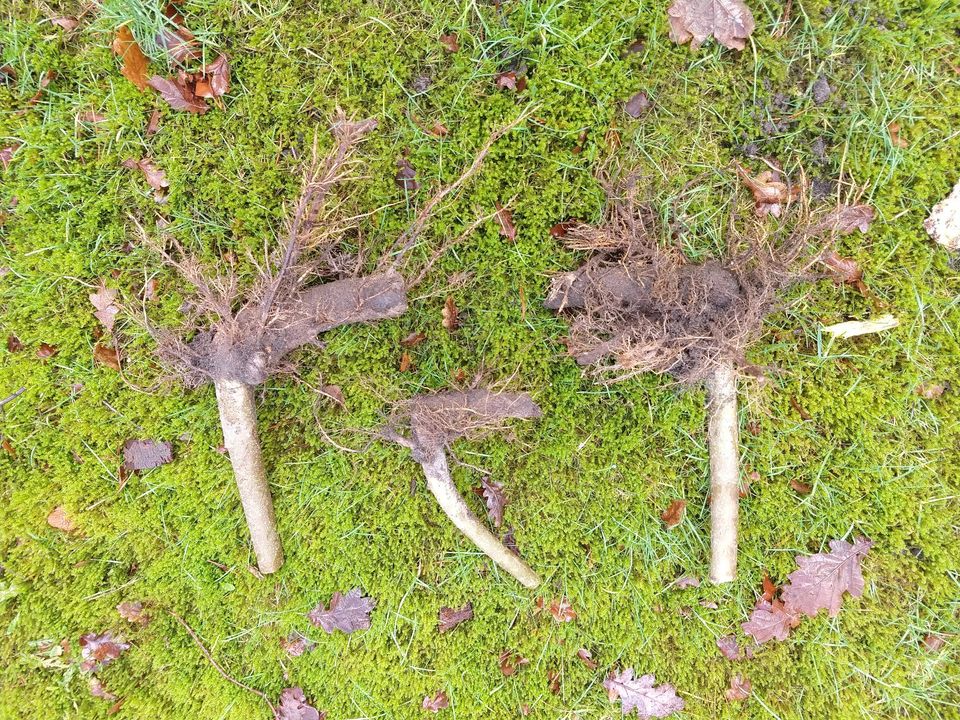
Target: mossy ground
x,y
588,482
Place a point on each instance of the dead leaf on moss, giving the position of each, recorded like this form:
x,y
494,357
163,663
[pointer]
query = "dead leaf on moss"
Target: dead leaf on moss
x,y
107,356
496,500
729,21
450,42
562,611
438,702
823,578
800,487
59,520
451,617
510,662
347,613
99,650
293,705
505,219
134,611
135,66
770,193
105,307
638,105
155,177
7,153
178,93
97,690
46,351
586,658
771,621
450,314
928,391
14,344
847,218
854,328
67,23
673,515
895,138
740,688
141,455
413,339
406,177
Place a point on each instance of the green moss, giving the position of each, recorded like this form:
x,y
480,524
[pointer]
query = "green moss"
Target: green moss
x,y
588,482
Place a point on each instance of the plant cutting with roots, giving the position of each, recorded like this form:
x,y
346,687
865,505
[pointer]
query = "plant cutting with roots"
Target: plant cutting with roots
x,y
636,306
309,284
434,422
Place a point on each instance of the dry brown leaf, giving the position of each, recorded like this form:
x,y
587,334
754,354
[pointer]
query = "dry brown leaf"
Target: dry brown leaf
x,y
638,105
673,515
510,662
107,356
800,487
69,24
59,520
178,94
729,21
770,193
451,617
134,611
7,153
451,315
413,339
562,611
46,351
928,391
135,64
505,219
436,703
587,658
406,362
450,42
156,178
104,303
14,344
153,125
895,138
740,688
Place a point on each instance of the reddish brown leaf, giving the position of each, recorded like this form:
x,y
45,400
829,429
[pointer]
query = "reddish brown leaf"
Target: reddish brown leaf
x,y
587,658
553,681
178,94
640,694
156,178
686,581
673,515
847,218
928,391
933,642
895,138
179,42
492,493
562,611
795,404
153,125
98,651
729,647
135,64
740,688
510,662
436,703
450,42
105,307
406,362
293,705
505,219
768,589
134,611
14,344
141,455
296,644
46,351
108,356
91,117
506,81
59,520
842,269
770,621
800,487
451,316
770,194
823,578
413,339
69,24
97,690
406,177
638,105
7,153
8,447
347,613
729,21
451,617
562,228
214,79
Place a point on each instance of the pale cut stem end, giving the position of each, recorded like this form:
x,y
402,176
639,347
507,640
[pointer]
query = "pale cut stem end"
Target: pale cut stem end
x,y
724,443
238,418
441,485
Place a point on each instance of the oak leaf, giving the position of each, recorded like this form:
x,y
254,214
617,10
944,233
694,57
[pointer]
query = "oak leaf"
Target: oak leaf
x,y
492,493
740,688
178,94
510,662
105,307
347,613
673,515
293,705
450,314
155,177
99,650
135,64
847,218
771,620
146,454
729,647
134,611
436,703
451,617
562,611
729,21
823,578
641,695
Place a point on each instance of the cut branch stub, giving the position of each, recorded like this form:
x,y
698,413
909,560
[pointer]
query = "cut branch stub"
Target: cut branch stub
x,y
437,420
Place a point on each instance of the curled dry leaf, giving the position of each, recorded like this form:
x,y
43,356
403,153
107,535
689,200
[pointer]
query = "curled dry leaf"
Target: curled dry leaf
x,y
505,219
59,520
844,270
823,578
178,94
406,177
451,315
153,124
134,611
438,702
586,658
847,218
156,178
14,344
800,487
347,613
135,66
673,515
293,705
729,21
740,688
413,339
770,193
506,81
928,391
146,454
46,351
67,23
99,650
642,695
510,662
553,681
562,228
895,138
450,42
496,500
854,328
562,611
213,80
451,617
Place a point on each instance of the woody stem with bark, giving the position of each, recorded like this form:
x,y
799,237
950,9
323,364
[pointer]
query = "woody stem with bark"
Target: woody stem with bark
x,y
238,418
723,440
441,485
